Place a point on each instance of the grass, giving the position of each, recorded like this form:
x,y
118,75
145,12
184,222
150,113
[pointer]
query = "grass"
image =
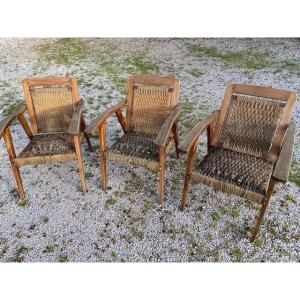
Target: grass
x,y
215,216
23,203
110,202
294,174
20,254
89,175
13,105
236,254
62,51
137,233
246,59
197,73
45,220
63,258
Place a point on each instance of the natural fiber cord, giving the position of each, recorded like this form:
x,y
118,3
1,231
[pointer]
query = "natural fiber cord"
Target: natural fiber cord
x,y
250,125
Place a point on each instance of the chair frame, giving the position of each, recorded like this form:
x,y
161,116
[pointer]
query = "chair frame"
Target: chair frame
x,y
76,128
280,152
169,125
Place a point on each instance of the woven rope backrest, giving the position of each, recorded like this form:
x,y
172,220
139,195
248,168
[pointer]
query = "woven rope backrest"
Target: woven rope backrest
x,y
250,125
151,103
51,103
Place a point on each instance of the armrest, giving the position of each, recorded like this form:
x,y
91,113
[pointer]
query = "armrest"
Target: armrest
x,y
281,170
192,136
74,128
6,122
102,118
166,127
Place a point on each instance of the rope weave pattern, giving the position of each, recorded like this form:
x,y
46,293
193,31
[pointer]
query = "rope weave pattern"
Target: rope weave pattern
x,y
233,172
250,125
53,107
151,106
138,149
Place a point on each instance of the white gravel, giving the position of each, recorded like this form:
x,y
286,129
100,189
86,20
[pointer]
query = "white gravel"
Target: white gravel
x,y
127,223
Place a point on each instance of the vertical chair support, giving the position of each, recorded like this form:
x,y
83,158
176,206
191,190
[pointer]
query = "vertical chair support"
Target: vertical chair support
x,y
12,155
162,164
176,137
80,162
263,209
102,139
83,126
189,169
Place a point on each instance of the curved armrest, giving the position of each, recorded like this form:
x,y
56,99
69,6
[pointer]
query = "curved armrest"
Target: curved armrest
x,y
281,170
6,122
74,128
165,129
192,136
102,118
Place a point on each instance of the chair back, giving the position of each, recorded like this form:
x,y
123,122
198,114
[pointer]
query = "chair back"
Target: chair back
x,y
50,103
253,120
150,100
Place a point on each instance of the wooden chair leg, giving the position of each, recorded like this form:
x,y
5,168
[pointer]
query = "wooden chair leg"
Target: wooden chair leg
x,y
12,155
189,168
162,163
102,141
186,187
80,163
83,124
262,211
176,137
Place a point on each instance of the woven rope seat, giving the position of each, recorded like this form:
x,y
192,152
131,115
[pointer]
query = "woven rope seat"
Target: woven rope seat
x,y
45,148
137,148
233,172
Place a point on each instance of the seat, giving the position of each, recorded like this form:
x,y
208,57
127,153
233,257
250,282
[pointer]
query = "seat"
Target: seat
x,y
151,124
57,126
235,172
249,145
138,149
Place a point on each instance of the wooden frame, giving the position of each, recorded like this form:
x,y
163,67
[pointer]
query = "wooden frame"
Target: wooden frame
x,y
76,129
280,152
169,126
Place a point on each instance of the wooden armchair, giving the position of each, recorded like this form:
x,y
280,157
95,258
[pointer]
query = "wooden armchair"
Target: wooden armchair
x,y
250,145
151,124
57,123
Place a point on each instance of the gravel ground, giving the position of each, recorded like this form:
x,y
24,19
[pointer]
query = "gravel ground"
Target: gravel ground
x,y
58,223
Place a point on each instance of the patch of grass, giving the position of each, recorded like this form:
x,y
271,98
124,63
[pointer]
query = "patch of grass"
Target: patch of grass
x,y
290,65
89,175
235,214
197,73
63,51
63,258
236,254
294,174
289,197
110,202
45,219
20,254
215,216
49,249
199,216
140,64
23,203
113,254
14,193
13,106
137,233
245,59
148,205
4,84
3,247
258,243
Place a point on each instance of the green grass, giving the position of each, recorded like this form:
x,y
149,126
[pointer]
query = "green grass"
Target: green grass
x,y
246,59
294,174
89,175
45,220
20,253
215,216
137,233
23,203
235,214
62,51
63,258
236,254
111,201
197,73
